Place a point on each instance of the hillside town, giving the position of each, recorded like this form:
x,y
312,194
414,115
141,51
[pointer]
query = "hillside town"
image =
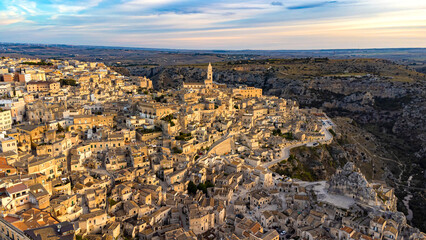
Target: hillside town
x,y
87,153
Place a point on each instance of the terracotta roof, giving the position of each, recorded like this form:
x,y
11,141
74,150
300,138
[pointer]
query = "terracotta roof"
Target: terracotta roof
x,y
17,188
301,197
392,230
347,229
379,220
270,235
11,219
255,228
34,218
366,237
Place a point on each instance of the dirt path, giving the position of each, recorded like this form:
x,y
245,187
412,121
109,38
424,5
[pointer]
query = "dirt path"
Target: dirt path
x,y
407,199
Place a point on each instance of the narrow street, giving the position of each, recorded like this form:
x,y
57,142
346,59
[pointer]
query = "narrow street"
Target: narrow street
x,y
183,219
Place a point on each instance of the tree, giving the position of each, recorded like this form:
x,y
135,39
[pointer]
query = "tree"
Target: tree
x,y
176,150
183,136
202,187
112,202
169,118
209,184
60,128
192,188
41,63
70,82
33,146
276,132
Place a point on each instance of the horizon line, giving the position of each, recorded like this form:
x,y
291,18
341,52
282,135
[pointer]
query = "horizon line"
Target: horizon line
x,y
230,50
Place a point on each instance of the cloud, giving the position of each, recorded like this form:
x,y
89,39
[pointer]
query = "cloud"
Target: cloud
x,y
138,5
11,15
76,6
216,24
311,5
8,20
27,6
178,10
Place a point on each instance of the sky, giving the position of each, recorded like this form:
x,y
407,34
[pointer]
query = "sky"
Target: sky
x,y
217,24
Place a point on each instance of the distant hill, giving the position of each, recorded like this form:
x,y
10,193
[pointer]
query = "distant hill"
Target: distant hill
x,y
160,57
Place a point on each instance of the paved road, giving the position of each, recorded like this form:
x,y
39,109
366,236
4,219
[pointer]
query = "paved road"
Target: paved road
x,y
163,185
183,221
285,152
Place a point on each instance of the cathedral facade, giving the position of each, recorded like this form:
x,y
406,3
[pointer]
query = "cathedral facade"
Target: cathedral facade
x,y
208,82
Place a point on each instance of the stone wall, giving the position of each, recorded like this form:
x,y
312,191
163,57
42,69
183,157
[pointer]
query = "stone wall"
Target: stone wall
x,y
224,146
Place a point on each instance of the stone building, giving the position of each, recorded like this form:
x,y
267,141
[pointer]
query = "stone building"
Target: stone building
x,y
5,120
208,82
247,92
43,86
351,182
200,221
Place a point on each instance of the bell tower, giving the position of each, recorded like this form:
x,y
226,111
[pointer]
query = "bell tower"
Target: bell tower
x,y
210,72
208,83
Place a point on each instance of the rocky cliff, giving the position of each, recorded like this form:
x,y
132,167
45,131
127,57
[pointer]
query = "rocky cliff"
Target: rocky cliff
x,y
351,182
383,98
